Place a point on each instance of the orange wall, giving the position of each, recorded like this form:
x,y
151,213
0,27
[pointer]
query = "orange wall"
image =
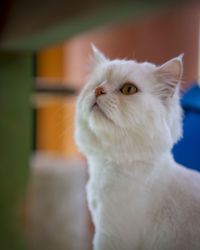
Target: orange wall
x,y
50,62
55,119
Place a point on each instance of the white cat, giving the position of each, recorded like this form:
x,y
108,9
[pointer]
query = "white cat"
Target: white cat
x,y
128,118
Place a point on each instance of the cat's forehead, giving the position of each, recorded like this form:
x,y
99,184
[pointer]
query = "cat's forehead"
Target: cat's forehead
x,y
122,70
129,66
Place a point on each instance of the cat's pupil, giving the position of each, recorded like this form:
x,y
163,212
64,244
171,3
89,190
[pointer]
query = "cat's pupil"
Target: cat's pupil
x,y
129,89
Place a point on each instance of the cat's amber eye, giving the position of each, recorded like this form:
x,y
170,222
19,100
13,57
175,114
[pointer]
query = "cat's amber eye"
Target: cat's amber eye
x,y
128,89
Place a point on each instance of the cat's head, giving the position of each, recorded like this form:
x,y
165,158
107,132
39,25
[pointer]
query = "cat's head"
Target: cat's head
x,y
129,109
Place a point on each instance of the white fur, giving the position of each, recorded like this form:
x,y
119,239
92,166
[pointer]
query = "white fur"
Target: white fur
x,y
138,196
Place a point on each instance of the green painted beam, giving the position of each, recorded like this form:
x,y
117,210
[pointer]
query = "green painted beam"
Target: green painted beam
x,y
49,27
15,124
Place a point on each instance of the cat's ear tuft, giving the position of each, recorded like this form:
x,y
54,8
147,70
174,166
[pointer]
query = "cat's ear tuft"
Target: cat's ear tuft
x,y
97,57
171,70
169,76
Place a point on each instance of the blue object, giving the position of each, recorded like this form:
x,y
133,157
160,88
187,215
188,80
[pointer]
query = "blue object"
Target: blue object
x,y
187,150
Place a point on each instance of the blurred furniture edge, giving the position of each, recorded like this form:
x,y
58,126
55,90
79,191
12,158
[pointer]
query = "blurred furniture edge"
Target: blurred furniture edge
x,y
56,204
25,27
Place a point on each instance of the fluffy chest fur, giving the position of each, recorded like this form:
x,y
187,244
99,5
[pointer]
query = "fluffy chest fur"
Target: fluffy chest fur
x,y
146,209
118,199
118,208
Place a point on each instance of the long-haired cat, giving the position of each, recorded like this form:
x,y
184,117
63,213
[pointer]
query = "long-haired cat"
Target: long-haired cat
x,y
128,119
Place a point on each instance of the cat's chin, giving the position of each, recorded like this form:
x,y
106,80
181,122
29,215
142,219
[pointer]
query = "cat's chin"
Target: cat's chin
x,y
97,109
99,113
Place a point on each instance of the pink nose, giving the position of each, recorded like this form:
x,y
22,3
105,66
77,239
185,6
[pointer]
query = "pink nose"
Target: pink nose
x,y
99,91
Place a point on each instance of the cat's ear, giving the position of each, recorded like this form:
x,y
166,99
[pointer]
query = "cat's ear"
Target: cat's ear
x,y
97,57
169,76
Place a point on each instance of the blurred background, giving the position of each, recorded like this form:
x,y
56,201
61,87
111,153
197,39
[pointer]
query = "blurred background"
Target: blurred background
x,y
44,55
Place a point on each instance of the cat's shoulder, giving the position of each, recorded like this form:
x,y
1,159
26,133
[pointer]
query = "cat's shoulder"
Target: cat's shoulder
x,y
185,185
190,177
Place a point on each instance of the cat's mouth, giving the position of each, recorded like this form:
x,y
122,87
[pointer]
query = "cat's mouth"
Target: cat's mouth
x,y
95,105
96,108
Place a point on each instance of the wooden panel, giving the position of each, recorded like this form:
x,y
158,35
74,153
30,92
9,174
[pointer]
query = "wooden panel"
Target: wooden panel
x,y
50,127
55,119
15,78
50,63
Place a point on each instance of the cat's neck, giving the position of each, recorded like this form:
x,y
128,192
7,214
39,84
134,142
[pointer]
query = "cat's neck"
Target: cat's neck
x,y
161,161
